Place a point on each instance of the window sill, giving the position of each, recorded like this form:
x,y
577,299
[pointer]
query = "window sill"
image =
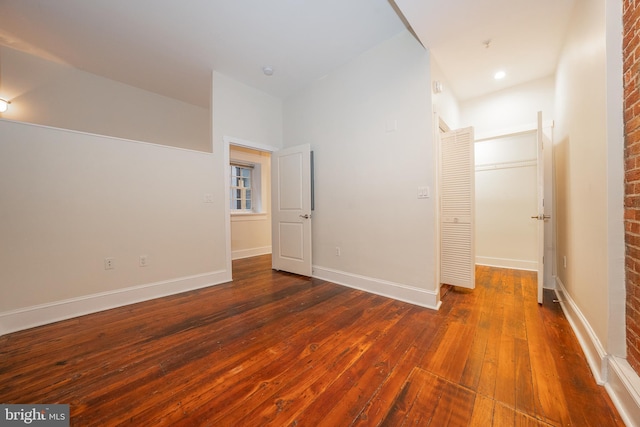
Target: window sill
x,y
248,216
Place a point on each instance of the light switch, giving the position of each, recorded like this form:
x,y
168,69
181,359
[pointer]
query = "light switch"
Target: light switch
x,y
423,192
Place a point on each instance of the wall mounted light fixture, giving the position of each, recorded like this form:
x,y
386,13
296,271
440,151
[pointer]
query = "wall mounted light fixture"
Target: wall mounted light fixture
x,y
4,105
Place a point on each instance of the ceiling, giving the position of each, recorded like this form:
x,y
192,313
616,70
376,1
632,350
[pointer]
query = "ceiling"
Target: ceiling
x,y
525,36
171,46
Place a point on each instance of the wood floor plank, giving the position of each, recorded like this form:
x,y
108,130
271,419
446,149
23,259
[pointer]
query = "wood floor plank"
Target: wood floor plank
x,y
482,413
376,409
449,358
505,389
524,392
551,404
454,407
488,373
176,360
273,348
523,420
303,390
427,402
573,373
503,415
409,392
357,386
268,371
475,359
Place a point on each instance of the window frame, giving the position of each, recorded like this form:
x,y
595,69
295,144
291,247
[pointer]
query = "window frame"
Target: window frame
x,y
234,188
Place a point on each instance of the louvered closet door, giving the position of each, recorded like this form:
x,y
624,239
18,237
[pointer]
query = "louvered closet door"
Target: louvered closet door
x,y
457,200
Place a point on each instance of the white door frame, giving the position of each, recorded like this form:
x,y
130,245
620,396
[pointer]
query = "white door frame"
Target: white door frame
x,y
228,141
550,243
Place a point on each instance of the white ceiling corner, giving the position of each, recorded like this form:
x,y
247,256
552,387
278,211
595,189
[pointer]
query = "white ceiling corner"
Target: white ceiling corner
x,y
526,38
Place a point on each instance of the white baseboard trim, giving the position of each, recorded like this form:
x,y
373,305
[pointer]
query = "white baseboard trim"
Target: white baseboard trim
x,y
247,253
614,373
410,294
515,264
37,315
623,386
591,346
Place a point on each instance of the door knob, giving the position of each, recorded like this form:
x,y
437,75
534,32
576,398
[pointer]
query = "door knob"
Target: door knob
x,y
305,216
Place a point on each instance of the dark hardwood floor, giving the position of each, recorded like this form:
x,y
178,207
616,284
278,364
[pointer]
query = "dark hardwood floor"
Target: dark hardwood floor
x,y
277,349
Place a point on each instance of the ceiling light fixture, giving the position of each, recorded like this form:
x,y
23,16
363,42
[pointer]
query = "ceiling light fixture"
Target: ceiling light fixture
x,y
4,105
500,75
267,70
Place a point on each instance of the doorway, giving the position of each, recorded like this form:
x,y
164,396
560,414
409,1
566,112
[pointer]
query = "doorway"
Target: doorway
x,y
250,201
506,197
250,219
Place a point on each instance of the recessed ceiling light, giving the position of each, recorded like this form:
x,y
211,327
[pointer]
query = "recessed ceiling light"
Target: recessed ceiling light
x,y
500,75
267,70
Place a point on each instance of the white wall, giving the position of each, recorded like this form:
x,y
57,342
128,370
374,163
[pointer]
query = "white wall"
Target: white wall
x,y
445,103
251,233
245,113
506,197
588,158
580,148
370,126
245,116
508,108
53,94
70,200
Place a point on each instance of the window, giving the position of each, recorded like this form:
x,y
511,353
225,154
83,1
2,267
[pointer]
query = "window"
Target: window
x,y
241,188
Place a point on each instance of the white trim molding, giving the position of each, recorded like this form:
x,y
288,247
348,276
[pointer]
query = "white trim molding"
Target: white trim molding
x,y
619,379
623,386
591,346
38,315
515,264
101,135
249,144
409,294
515,130
247,253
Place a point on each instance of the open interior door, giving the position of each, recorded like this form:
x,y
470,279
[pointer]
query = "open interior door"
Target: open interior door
x,y
540,217
457,208
291,210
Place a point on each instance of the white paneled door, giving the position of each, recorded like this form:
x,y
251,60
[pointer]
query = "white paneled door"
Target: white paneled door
x,y
457,206
291,210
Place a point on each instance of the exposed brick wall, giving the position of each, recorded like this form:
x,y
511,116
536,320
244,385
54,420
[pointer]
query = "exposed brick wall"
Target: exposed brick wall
x,y
631,69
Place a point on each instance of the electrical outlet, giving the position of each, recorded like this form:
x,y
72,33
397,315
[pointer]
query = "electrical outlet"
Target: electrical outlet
x,y
337,250
109,264
144,260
